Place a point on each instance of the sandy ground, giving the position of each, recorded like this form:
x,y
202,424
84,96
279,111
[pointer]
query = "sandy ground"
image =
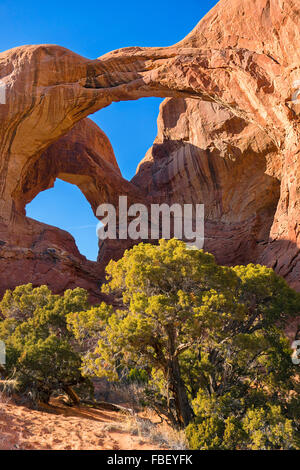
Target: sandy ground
x,y
65,428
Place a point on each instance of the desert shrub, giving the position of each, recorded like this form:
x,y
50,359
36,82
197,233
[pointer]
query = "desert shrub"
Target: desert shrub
x,y
195,326
138,376
41,356
229,424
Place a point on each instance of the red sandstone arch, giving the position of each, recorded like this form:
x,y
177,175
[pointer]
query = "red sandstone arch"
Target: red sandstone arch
x,y
245,67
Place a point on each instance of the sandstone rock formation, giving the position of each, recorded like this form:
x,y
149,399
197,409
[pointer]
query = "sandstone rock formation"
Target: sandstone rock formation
x,y
228,137
35,252
205,154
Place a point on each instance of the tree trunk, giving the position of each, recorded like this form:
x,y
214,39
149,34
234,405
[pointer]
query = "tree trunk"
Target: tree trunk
x,y
73,395
183,409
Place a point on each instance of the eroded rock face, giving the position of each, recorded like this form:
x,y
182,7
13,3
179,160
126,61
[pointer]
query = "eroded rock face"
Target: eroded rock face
x,y
35,252
205,154
228,137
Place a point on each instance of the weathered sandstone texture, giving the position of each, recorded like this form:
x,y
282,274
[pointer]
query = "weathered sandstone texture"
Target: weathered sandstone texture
x,y
228,137
36,252
205,154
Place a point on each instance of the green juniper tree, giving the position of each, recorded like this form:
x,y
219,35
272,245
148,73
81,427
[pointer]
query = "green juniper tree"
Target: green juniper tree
x,y
196,327
41,356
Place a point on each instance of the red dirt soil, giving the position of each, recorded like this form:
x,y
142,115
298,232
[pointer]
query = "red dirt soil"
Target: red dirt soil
x,y
66,428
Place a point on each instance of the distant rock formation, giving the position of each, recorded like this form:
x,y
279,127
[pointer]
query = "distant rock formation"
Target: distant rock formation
x,y
228,137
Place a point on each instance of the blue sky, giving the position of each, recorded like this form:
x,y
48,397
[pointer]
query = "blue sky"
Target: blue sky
x,y
91,29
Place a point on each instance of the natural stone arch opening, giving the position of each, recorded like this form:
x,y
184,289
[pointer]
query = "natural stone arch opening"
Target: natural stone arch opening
x,y
65,207
49,89
82,151
131,127
83,157
39,253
